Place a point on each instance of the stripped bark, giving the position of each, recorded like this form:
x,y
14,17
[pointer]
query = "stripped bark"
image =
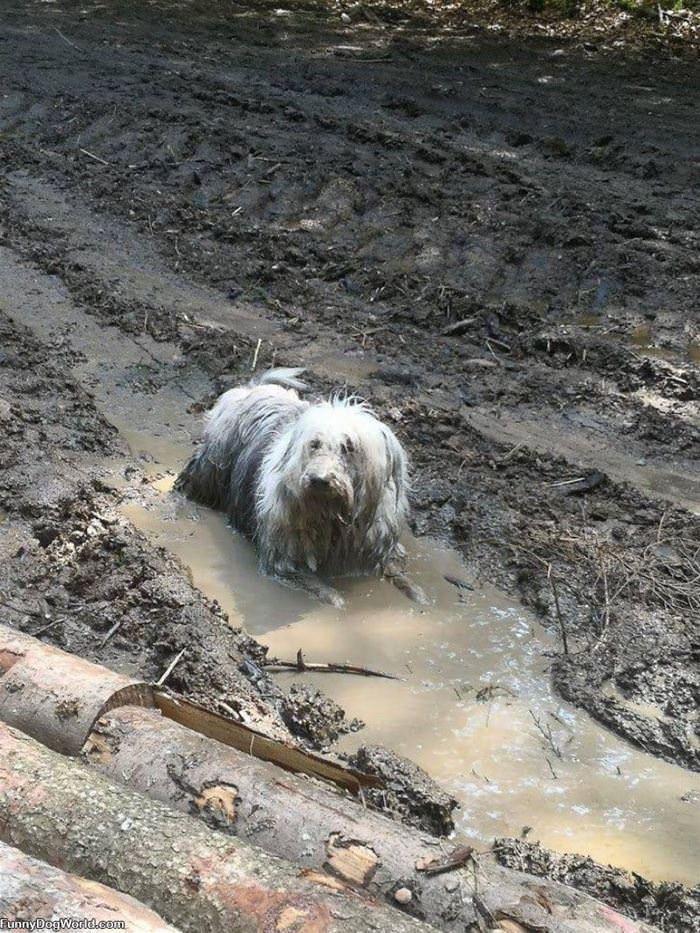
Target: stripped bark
x,y
57,810
310,824
31,890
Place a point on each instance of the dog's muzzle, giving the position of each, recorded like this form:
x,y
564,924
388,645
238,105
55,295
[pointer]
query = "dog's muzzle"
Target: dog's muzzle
x,y
327,489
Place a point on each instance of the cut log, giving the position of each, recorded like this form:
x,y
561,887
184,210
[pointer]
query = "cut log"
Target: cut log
x,y
310,824
33,891
56,697
66,814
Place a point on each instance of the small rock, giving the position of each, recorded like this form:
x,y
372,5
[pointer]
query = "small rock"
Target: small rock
x,y
403,896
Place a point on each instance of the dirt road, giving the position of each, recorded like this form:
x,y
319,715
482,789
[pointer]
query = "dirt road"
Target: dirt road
x,y
494,243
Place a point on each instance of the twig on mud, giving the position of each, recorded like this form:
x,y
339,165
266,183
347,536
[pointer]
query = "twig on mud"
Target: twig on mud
x,y
330,668
93,156
606,600
364,61
255,355
45,628
111,633
456,581
555,593
490,349
499,343
546,733
661,524
67,40
566,482
458,327
560,617
170,668
554,773
22,610
513,450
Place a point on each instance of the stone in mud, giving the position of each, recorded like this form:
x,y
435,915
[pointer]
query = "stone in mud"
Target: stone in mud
x,y
668,905
313,716
409,792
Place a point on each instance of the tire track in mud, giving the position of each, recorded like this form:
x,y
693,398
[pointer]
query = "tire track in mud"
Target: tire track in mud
x,y
482,502
548,209
73,569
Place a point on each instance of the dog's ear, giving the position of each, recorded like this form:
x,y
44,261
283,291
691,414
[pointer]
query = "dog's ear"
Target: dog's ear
x,y
397,468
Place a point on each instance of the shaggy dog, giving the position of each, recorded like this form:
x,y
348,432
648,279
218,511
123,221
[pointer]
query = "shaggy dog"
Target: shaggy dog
x,y
320,488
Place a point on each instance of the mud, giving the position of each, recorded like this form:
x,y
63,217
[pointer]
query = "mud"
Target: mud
x,y
74,571
314,716
502,256
668,906
408,790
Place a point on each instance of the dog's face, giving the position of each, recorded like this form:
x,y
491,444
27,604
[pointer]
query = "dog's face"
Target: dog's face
x,y
341,460
329,450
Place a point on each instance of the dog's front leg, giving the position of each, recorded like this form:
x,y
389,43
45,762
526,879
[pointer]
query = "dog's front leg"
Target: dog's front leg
x,y
395,573
309,583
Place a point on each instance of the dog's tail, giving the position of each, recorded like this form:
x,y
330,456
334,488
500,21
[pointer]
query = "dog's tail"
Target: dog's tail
x,y
285,376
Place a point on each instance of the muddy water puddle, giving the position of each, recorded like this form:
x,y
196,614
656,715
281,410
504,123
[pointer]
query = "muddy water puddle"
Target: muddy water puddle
x,y
474,706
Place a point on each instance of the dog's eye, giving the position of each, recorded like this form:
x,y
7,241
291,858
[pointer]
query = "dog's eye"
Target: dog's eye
x,y
347,447
315,445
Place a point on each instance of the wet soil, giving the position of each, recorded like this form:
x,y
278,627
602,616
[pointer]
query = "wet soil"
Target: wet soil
x,y
494,243
668,906
75,572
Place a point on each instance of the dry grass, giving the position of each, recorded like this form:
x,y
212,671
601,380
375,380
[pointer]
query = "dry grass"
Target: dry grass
x,y
656,570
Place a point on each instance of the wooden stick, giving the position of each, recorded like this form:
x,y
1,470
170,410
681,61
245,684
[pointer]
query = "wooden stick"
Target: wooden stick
x,y
255,355
93,156
560,617
67,40
113,631
332,667
170,668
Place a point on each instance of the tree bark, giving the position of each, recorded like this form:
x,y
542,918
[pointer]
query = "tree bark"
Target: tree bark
x,y
33,890
64,813
310,824
287,815
54,695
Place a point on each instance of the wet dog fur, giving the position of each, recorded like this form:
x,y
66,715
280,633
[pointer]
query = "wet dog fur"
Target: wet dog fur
x,y
321,488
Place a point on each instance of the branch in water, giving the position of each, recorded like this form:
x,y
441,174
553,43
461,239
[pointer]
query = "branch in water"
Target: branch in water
x,y
331,668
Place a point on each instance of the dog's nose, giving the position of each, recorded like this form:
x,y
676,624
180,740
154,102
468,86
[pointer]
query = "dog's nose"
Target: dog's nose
x,y
319,482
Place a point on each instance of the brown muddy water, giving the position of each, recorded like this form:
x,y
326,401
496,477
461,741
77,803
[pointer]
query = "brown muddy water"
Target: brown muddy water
x,y
474,679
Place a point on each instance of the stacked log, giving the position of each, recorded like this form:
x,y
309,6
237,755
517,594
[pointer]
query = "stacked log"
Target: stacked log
x,y
334,842
311,825
34,891
62,812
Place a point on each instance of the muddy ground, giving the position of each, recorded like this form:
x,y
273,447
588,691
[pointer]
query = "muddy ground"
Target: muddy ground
x,y
493,241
